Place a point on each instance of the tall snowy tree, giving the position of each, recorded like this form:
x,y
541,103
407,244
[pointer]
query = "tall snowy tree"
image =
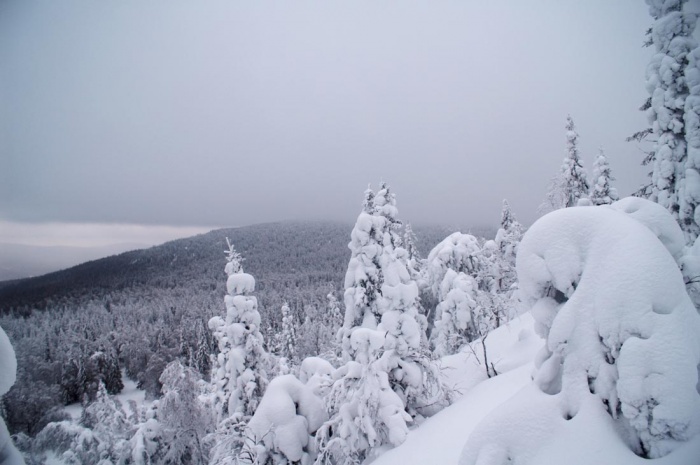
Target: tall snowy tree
x,y
507,241
363,278
239,376
386,375
602,193
574,179
674,177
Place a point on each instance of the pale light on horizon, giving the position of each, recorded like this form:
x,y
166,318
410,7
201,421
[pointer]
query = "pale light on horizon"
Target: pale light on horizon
x,y
65,234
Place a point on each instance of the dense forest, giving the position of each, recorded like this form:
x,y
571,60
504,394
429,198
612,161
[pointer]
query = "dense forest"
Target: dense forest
x,y
141,310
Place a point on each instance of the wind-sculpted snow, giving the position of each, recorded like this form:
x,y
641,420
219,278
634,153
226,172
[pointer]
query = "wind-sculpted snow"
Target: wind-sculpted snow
x,y
621,337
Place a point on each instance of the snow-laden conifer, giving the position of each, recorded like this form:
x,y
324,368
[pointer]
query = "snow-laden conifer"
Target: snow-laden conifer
x,y
454,322
674,177
184,420
387,374
602,193
574,180
239,376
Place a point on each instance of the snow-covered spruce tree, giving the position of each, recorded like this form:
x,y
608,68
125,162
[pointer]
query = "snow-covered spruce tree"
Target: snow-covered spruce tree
x,y
415,262
671,37
240,372
614,321
450,271
387,374
184,420
507,240
574,179
454,322
289,335
602,193
363,279
555,198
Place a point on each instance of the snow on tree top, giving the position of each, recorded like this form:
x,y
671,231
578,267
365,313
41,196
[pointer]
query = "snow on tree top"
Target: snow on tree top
x,y
240,284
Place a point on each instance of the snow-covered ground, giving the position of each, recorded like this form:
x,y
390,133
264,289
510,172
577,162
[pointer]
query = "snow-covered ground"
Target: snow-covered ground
x,y
440,439
587,438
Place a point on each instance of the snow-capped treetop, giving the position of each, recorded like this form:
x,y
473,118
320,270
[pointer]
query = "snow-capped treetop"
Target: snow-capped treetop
x,y
573,175
507,218
611,303
234,260
385,205
509,234
368,202
659,8
602,193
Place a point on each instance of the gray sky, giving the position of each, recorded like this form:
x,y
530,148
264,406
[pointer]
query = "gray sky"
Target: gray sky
x,y
236,112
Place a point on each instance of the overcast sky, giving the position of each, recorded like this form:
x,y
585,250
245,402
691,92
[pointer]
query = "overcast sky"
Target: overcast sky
x,y
229,113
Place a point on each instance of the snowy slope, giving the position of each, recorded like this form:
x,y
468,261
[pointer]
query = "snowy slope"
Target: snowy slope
x,y
440,438
587,438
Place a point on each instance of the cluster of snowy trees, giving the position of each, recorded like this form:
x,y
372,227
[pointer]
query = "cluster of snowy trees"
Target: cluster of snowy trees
x,y
373,371
572,184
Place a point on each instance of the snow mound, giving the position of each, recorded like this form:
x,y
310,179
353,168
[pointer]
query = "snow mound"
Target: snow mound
x,y
621,339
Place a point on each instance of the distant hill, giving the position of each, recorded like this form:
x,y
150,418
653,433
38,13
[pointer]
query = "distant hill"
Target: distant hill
x,y
288,259
18,261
